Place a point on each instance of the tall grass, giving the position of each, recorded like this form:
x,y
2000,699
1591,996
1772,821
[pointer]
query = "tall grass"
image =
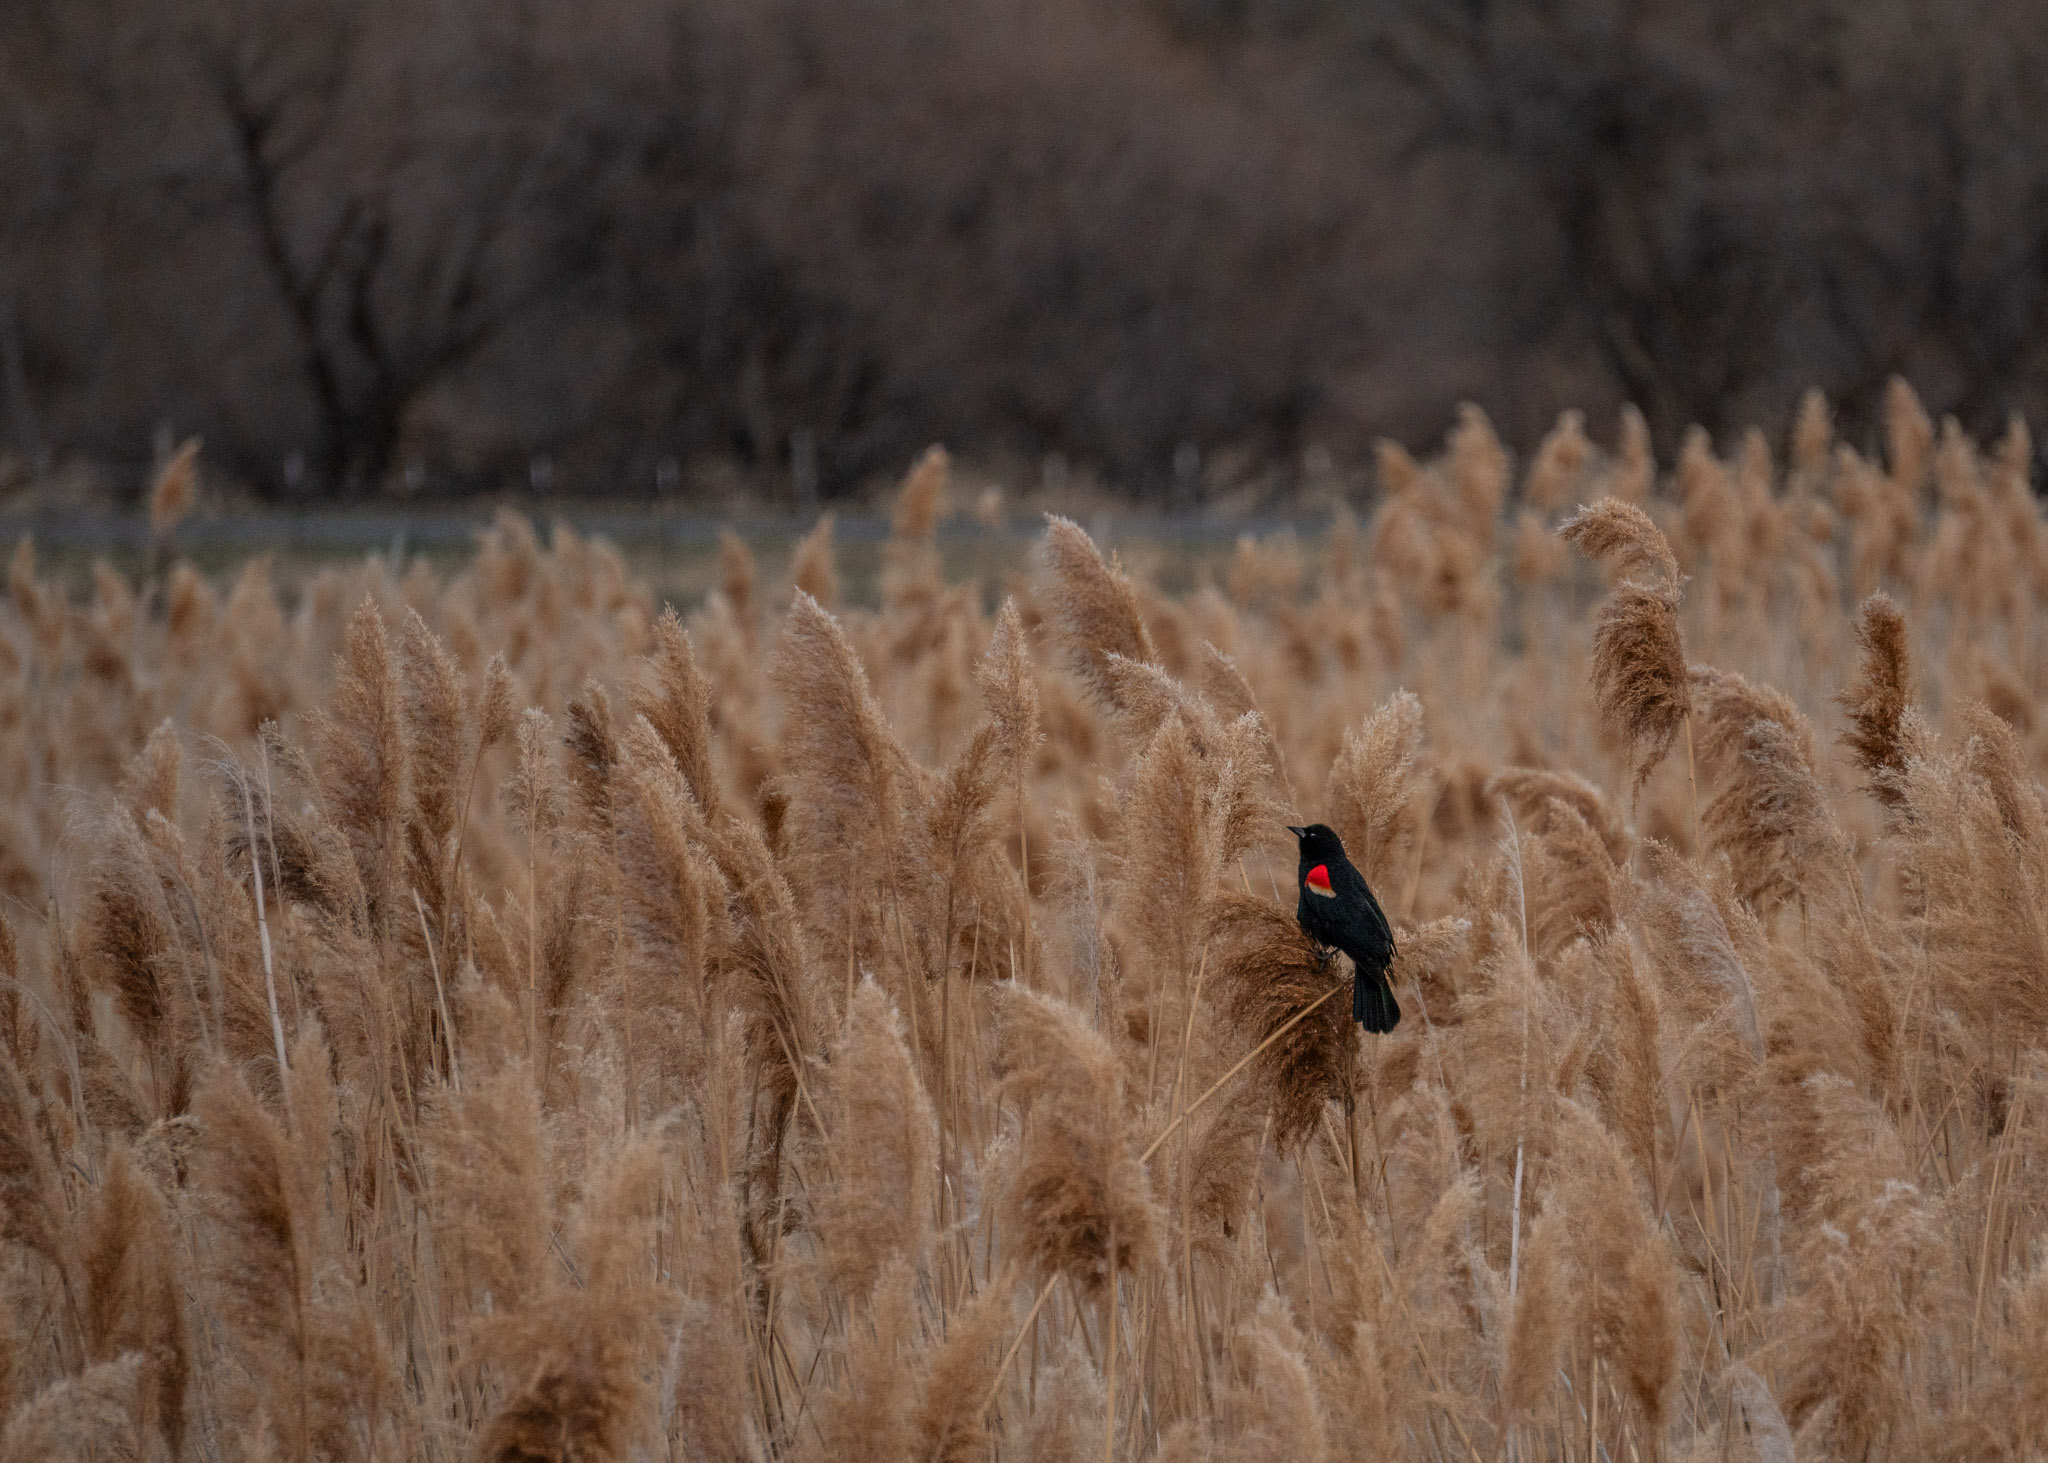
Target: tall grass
x,y
494,1020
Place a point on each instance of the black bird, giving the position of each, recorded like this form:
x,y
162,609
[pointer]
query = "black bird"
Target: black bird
x,y
1338,909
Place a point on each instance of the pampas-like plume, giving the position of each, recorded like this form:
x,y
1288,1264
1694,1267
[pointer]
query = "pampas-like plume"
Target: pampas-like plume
x,y
1066,1424
168,994
1559,464
577,1359
175,490
877,1209
533,794
1369,785
762,961
20,1041
1008,688
593,755
1266,970
813,569
432,712
1620,533
486,1161
1880,736
921,503
1628,1071
1532,791
285,1307
33,1213
839,742
100,1415
872,1419
1813,438
1541,1315
1908,437
855,796
669,891
1478,467
361,741
951,1418
1282,1415
1639,670
133,1302
150,779
736,575
1770,816
1634,472
676,700
1092,605
1632,1301
1880,1274
1078,1185
1010,692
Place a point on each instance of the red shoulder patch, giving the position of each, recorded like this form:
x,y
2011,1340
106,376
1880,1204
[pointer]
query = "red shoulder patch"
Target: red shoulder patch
x,y
1317,881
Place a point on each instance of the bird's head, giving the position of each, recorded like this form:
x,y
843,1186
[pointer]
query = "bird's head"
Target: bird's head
x,y
1319,842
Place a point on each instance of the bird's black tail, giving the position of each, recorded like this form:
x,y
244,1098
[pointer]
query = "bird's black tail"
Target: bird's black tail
x,y
1372,1002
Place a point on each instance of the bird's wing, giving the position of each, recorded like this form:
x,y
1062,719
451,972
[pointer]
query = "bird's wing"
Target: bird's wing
x,y
1376,935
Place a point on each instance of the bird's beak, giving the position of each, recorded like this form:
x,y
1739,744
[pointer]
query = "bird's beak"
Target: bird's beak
x,y
1297,832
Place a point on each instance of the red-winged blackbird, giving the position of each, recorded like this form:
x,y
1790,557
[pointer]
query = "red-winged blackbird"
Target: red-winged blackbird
x,y
1338,909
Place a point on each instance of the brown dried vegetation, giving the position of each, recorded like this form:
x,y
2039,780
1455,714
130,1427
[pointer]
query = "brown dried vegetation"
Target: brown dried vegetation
x,y
764,1046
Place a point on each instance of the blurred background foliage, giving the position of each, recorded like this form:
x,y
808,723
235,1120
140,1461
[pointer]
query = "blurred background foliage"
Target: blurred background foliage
x,y
639,247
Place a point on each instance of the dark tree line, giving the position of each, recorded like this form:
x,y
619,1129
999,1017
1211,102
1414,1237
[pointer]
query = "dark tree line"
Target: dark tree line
x,y
372,246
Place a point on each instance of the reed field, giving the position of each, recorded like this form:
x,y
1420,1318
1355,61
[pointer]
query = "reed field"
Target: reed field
x,y
478,1014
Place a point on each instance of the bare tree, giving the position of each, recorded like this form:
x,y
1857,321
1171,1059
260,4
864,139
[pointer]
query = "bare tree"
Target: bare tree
x,y
1637,141
410,190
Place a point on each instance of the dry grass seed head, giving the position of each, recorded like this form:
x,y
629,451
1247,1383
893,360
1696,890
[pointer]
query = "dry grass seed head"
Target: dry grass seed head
x,y
1371,785
1541,1316
814,568
1908,436
951,1421
580,1388
485,1155
1634,472
1078,1184
1536,794
433,713
98,1415
872,1419
1877,700
736,575
533,793
285,1306
1878,1275
1265,970
593,756
1813,436
1091,606
361,743
1560,463
1616,531
922,501
1631,1304
1639,673
877,1207
1770,816
150,779
175,490
676,700
1279,1412
1008,687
